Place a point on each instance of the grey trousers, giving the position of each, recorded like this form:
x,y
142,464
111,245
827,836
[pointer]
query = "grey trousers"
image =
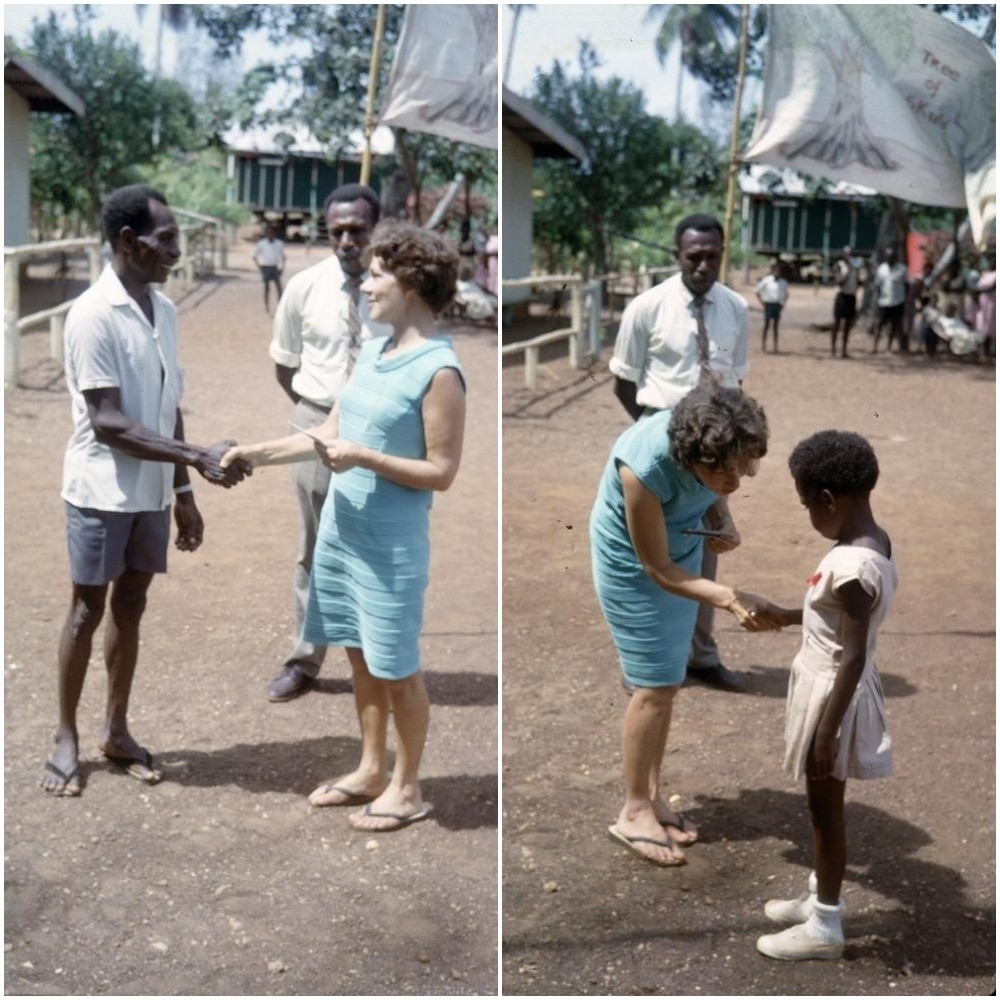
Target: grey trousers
x,y
704,652
312,480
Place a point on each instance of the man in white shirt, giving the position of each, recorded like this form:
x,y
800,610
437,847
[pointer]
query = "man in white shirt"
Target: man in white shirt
x,y
269,256
890,284
772,294
658,360
125,463
319,326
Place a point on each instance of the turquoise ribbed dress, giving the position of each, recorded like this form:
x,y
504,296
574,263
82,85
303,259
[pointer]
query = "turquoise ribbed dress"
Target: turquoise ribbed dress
x,y
369,570
651,628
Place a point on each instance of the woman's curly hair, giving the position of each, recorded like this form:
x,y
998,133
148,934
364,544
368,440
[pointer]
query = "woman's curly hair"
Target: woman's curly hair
x,y
713,425
418,259
839,461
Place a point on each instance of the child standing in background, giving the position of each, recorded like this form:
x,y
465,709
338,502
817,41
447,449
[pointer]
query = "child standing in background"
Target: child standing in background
x,y
772,293
835,723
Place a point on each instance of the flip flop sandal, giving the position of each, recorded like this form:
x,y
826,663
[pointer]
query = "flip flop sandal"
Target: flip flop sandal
x,y
401,821
351,798
140,768
682,820
630,842
66,791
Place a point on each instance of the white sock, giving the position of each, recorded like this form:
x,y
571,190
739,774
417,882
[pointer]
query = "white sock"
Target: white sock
x,y
813,885
824,922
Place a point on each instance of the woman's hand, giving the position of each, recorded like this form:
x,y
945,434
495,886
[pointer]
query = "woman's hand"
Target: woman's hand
x,y
718,518
755,614
339,455
242,456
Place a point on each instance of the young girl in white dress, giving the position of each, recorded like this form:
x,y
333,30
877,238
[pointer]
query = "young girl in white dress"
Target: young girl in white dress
x,y
835,724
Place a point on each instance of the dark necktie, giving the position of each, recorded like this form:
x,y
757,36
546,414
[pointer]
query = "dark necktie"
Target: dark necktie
x,y
703,351
352,322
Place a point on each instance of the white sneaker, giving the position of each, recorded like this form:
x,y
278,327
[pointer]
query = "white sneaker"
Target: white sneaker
x,y
790,911
797,943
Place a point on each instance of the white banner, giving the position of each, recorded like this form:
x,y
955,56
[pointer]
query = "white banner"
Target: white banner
x,y
444,74
892,97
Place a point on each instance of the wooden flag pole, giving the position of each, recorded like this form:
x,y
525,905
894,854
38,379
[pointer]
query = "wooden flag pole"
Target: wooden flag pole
x,y
734,163
366,155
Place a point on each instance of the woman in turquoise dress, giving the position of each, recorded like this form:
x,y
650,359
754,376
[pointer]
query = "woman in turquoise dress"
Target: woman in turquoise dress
x,y
666,474
392,440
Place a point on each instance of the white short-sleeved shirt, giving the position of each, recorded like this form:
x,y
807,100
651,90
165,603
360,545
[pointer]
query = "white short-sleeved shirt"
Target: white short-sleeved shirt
x,y
310,331
850,271
657,343
772,289
269,253
110,344
891,284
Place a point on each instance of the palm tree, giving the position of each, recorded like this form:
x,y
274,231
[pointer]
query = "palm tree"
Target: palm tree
x,y
174,16
702,32
518,9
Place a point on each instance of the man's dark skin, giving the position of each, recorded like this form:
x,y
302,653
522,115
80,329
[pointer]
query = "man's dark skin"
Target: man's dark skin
x,y
699,255
350,225
140,259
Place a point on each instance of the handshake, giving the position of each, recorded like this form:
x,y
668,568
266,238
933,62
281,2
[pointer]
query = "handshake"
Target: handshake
x,y
755,614
209,465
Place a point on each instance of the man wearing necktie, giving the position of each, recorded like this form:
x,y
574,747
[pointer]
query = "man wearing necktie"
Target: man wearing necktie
x,y
321,322
686,329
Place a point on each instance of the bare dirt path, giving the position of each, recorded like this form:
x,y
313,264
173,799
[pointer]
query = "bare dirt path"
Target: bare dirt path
x,y
222,880
581,916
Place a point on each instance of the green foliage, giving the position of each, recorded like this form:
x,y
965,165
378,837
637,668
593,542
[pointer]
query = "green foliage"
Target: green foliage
x,y
195,181
635,163
76,161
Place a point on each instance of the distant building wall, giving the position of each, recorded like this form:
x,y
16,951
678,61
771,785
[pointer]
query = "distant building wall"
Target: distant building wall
x,y
17,177
518,160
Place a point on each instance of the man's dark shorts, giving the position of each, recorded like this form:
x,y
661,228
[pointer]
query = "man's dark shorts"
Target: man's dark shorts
x,y
270,274
845,307
103,544
891,314
772,310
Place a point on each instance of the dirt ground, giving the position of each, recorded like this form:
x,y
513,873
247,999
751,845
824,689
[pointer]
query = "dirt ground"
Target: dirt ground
x,y
222,880
582,916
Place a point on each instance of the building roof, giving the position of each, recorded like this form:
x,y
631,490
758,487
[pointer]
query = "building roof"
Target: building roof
x,y
783,182
43,91
539,131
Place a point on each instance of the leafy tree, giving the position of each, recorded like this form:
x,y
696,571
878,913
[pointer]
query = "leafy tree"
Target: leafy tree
x,y
326,85
76,161
634,161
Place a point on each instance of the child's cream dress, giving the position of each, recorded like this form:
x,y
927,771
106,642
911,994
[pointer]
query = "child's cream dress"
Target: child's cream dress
x,y
865,746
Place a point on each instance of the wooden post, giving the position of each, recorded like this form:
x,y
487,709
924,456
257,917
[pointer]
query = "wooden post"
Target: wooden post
x,y
576,322
369,126
531,367
56,326
12,307
734,145
94,265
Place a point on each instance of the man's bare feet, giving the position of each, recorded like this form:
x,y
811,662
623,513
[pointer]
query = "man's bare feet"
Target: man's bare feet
x,y
642,833
392,810
352,789
60,775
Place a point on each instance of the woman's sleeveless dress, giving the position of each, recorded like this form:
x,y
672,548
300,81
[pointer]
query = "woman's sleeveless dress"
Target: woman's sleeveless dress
x,y
369,570
651,628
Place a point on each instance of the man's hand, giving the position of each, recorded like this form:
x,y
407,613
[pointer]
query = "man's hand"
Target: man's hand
x,y
190,526
211,468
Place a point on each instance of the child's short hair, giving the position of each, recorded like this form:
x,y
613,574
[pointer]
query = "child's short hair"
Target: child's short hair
x,y
839,461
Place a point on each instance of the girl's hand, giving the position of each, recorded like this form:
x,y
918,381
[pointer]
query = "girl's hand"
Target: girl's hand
x,y
822,755
755,614
339,455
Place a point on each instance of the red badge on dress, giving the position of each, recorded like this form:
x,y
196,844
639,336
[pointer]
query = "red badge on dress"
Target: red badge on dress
x,y
814,579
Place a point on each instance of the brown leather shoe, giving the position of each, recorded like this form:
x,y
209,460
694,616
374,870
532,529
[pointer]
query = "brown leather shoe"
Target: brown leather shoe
x,y
719,676
290,683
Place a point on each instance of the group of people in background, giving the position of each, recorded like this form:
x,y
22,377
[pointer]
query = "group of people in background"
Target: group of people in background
x,y
955,305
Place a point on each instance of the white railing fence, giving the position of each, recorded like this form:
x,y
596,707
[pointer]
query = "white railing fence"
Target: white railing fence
x,y
203,243
585,333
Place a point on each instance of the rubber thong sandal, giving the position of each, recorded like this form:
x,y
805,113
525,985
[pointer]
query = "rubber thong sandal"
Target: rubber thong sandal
x,y
630,844
401,821
140,768
68,790
351,798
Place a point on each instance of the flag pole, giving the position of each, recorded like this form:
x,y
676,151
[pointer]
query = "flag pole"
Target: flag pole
x,y
734,163
366,155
